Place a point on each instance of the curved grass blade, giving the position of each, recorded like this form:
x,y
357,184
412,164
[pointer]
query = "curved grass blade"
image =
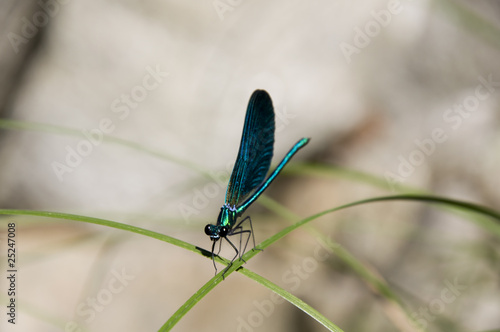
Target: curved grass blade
x,y
205,289
191,302
365,272
358,176
292,299
376,282
464,16
113,224
202,291
323,170
53,129
495,227
491,226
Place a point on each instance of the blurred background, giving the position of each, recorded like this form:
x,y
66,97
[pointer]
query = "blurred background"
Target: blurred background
x,y
132,111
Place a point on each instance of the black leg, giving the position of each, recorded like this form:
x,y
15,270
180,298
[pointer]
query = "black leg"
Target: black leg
x,y
246,243
238,226
235,249
238,229
213,256
232,260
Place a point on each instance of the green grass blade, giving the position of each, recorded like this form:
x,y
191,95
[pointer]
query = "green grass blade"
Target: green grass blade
x,y
377,283
493,227
292,299
207,287
326,170
112,224
191,302
465,16
371,278
60,130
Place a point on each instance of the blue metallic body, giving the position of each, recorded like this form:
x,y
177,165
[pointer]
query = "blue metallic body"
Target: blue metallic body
x,y
248,179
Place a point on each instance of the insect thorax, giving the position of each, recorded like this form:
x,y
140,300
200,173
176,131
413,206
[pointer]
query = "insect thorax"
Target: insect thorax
x,y
227,216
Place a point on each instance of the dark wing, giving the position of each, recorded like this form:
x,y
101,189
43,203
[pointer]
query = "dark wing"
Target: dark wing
x,y
256,149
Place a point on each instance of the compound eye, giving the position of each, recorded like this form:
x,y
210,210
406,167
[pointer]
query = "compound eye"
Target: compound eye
x,y
223,231
208,229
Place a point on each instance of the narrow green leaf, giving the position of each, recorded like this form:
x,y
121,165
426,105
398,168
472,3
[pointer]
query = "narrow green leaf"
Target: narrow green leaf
x,y
292,299
53,129
109,223
492,227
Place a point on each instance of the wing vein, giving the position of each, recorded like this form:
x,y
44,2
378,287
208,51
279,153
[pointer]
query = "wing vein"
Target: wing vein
x,y
256,149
